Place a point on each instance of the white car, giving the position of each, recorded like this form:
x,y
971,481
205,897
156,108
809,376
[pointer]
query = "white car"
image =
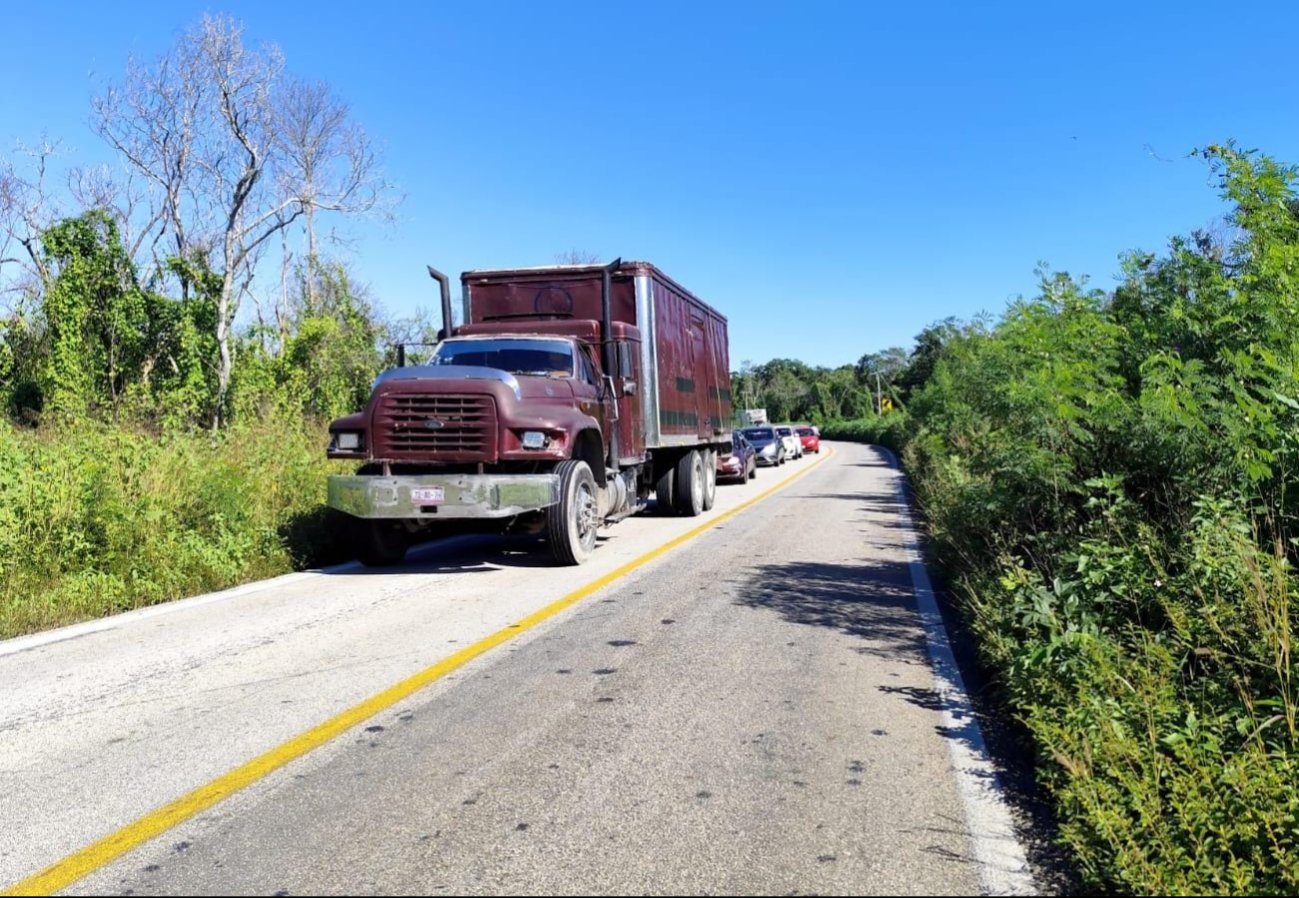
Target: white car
x,y
793,445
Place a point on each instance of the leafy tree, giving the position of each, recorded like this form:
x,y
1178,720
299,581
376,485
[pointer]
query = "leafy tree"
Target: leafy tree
x,y
329,359
97,319
930,343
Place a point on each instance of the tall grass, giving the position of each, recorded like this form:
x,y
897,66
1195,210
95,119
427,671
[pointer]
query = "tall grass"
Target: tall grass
x,y
97,518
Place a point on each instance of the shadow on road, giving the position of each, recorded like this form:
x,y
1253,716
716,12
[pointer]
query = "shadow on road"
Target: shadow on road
x,y
884,503
874,602
871,601
966,724
473,553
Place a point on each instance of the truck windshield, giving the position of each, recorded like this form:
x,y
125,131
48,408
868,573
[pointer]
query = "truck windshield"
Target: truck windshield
x,y
540,358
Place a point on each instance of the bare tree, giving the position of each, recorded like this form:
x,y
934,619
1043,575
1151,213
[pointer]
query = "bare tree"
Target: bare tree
x,y
236,157
283,304
236,152
155,120
27,209
327,160
131,203
577,257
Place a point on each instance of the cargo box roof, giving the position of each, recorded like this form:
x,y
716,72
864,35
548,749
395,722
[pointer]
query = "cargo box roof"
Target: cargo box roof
x,y
552,272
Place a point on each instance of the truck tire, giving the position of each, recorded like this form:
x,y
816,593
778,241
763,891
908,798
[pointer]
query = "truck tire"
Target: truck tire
x,y
379,543
710,479
665,490
572,522
691,484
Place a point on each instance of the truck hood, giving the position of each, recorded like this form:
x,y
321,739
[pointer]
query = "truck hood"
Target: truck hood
x,y
452,372
541,389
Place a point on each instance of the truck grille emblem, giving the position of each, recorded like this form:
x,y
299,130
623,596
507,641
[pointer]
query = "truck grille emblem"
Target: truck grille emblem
x,y
433,424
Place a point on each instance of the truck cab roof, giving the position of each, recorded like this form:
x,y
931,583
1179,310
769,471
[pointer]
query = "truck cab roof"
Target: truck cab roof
x,y
586,330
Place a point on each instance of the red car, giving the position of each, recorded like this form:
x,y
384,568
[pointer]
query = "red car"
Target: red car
x,y
810,438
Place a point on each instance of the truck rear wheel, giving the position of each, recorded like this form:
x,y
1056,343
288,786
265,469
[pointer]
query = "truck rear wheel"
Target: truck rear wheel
x,y
379,543
571,523
665,492
691,482
710,479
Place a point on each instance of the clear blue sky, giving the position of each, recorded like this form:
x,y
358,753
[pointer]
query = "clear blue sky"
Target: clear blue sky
x,y
832,177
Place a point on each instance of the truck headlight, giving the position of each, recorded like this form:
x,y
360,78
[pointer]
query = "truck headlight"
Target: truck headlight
x,y
534,439
348,440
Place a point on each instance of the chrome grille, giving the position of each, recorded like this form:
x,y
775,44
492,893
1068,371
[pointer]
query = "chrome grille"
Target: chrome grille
x,y
417,425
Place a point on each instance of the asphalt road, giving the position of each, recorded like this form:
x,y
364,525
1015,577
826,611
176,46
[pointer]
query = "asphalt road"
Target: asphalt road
x,y
755,711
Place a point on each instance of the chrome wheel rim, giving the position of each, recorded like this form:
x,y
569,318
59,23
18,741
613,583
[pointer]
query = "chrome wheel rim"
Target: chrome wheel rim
x,y
586,515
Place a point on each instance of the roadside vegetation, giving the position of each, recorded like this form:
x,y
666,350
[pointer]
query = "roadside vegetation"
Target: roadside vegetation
x,y
98,518
1111,481
173,334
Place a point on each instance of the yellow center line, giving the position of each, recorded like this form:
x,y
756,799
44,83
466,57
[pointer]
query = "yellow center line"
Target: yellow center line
x,y
85,861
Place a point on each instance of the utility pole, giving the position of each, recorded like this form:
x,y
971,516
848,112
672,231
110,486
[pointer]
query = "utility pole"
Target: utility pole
x,y
879,402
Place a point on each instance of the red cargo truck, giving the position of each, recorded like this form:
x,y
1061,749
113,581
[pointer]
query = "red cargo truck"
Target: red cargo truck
x,y
568,397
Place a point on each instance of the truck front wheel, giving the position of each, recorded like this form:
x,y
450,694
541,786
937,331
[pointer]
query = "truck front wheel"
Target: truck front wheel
x,y
691,484
571,523
379,543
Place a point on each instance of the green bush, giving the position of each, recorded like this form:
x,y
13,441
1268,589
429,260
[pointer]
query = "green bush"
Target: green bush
x,y
97,518
1108,480
882,430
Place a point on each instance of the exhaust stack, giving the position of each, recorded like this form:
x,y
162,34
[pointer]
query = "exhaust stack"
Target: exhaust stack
x,y
445,284
610,350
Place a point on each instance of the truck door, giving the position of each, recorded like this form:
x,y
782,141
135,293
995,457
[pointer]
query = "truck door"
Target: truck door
x,y
610,409
588,390
630,390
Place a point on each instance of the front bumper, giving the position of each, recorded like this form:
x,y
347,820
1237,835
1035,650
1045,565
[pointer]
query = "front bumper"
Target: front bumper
x,y
464,495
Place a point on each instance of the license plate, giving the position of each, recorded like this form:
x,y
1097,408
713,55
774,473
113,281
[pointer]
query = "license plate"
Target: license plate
x,y
426,495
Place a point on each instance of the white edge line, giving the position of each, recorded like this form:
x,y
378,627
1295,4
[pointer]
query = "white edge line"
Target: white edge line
x,y
1003,866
